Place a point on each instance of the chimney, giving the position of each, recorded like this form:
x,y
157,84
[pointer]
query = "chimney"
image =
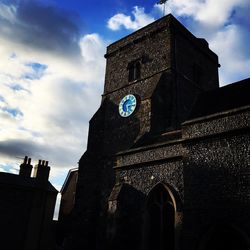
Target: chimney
x,y
25,167
41,171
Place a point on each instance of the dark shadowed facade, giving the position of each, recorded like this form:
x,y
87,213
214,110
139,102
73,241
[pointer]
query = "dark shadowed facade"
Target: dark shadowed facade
x,y
66,206
167,167
26,208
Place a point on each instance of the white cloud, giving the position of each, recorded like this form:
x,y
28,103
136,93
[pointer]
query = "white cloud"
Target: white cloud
x,y
14,170
47,98
57,106
8,12
139,19
212,13
235,64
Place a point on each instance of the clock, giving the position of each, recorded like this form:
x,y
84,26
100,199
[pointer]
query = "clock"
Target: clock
x,y
127,105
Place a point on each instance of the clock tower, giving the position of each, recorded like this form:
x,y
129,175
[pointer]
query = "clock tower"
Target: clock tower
x,y
164,67
153,77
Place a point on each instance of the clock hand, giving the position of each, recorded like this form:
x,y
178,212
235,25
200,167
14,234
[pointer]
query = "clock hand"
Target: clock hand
x,y
130,106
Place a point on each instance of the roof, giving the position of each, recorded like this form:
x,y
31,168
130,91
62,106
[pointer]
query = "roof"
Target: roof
x,y
13,180
68,177
229,97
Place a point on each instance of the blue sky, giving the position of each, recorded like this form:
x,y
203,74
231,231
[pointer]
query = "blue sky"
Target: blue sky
x,y
52,66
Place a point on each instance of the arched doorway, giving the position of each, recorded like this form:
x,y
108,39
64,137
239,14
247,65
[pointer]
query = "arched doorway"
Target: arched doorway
x,y
160,219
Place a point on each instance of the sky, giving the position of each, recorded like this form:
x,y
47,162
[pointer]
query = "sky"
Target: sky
x,y
52,66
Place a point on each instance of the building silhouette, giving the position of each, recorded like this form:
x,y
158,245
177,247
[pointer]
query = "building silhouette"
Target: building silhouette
x,y
26,208
65,218
167,162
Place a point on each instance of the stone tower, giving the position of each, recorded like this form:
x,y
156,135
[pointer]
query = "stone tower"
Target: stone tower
x,y
164,66
134,175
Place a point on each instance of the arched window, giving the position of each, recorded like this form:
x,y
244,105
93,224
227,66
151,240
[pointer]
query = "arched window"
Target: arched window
x,y
160,233
134,71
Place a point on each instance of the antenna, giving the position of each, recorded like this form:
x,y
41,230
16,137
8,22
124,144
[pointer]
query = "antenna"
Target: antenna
x,y
164,6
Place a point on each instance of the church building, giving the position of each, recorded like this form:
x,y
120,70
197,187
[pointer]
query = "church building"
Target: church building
x,y
167,162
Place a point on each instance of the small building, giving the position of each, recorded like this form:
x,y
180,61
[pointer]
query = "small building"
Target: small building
x,y
26,208
66,206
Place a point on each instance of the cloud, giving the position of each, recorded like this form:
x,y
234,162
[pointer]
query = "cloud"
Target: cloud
x,y
49,89
40,27
139,19
2,169
53,108
211,13
7,13
61,155
235,61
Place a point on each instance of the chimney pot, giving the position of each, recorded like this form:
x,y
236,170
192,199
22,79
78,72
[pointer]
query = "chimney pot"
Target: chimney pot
x,y
25,167
25,159
41,171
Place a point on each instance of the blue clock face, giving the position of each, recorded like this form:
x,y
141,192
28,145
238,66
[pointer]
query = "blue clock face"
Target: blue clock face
x,y
127,105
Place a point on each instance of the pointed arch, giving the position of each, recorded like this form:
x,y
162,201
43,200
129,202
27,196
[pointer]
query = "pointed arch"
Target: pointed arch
x,y
171,192
161,207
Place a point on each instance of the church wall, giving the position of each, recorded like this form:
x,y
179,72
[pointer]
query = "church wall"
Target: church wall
x,y
215,155
216,179
130,213
145,177
140,170
217,123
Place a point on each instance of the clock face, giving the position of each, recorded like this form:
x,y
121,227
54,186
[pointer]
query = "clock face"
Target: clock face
x,y
127,105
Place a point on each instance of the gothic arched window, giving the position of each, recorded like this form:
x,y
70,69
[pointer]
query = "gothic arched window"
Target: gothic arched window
x,y
160,219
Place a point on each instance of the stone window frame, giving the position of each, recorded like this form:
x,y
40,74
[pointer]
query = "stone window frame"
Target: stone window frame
x,y
134,70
